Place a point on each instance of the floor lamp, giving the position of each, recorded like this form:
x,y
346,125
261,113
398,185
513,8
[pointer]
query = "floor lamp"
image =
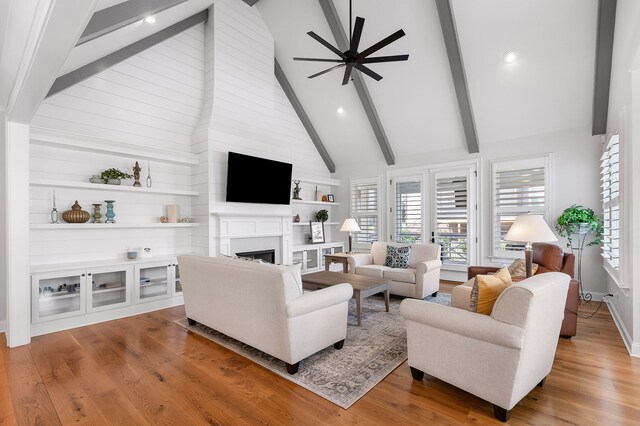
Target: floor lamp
x,y
530,228
350,225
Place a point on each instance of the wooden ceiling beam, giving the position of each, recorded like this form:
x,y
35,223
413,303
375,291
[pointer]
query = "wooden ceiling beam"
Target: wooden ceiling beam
x,y
604,52
331,15
452,44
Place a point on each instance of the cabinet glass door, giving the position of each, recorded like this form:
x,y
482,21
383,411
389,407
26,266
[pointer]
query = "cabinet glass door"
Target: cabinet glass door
x,y
153,281
57,295
109,287
177,287
312,259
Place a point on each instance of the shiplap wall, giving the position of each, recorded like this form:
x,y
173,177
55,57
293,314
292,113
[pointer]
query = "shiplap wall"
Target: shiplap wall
x,y
153,99
251,114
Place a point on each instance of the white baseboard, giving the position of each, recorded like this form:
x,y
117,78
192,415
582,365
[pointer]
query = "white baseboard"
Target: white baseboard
x,y
632,347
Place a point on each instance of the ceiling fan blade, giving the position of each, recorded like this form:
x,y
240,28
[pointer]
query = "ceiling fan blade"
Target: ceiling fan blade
x,y
357,33
327,70
382,43
347,74
317,60
384,59
326,44
368,71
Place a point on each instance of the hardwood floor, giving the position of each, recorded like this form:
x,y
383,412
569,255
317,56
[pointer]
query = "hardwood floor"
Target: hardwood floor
x,y
147,370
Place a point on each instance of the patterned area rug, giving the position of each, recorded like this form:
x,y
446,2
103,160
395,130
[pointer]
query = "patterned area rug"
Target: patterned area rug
x,y
371,352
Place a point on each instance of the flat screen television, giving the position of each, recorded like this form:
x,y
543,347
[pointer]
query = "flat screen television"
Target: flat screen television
x,y
258,180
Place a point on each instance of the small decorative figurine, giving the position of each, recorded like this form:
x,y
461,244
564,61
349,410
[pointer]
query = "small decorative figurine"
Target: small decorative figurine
x,y
148,175
296,219
136,175
54,212
296,190
110,214
96,213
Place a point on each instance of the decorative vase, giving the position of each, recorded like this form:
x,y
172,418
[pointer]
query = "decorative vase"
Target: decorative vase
x,y
96,179
76,214
113,181
96,213
110,214
581,228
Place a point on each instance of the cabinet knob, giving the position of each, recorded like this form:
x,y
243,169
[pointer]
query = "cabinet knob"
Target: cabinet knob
x,y
89,274
83,275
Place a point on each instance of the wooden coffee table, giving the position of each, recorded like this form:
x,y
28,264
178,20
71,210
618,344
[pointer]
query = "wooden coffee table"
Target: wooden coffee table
x,y
363,287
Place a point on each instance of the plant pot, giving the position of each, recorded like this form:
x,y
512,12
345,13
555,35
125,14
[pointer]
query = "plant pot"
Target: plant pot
x,y
581,228
96,179
113,181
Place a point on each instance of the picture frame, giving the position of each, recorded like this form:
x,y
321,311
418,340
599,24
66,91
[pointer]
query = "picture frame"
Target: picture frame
x,y
330,198
317,232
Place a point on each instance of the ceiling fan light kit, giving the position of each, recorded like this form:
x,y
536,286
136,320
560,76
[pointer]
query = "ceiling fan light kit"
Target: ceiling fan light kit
x,y
352,58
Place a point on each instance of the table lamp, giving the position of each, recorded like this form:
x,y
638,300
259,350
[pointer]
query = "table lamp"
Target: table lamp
x,y
350,225
530,228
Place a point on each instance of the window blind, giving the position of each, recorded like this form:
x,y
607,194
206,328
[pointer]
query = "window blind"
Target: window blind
x,y
516,191
408,212
364,209
610,178
451,219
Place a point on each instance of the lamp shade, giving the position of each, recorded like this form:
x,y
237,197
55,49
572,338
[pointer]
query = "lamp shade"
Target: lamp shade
x,y
530,228
350,225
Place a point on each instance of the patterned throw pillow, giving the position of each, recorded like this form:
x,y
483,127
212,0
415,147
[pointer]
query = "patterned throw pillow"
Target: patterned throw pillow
x,y
519,269
486,289
398,257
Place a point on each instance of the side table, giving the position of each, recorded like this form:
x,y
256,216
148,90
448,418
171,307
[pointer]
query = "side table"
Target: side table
x,y
337,258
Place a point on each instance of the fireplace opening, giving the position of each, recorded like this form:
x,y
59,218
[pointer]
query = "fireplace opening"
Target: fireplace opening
x,y
265,255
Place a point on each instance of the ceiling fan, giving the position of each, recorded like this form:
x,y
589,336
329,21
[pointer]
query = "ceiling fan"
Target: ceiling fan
x,y
352,58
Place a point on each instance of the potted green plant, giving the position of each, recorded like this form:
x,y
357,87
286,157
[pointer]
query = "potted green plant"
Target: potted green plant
x,y
579,220
113,176
322,216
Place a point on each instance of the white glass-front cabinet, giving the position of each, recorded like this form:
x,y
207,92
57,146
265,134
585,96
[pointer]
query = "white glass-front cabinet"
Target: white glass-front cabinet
x,y
311,257
58,295
109,287
157,280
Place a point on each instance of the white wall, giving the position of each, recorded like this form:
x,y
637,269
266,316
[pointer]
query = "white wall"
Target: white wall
x,y
152,99
3,226
575,180
250,113
624,92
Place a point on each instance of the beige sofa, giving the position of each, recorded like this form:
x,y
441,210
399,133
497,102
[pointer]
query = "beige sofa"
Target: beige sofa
x,y
263,306
499,358
421,279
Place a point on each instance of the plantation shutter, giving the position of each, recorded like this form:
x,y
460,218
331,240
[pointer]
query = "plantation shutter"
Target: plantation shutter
x,y
516,191
408,211
365,210
610,178
452,218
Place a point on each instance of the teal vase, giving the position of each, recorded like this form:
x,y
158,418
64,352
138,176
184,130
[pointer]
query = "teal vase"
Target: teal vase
x,y
110,214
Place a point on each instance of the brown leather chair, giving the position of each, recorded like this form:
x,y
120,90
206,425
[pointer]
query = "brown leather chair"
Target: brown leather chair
x,y
550,258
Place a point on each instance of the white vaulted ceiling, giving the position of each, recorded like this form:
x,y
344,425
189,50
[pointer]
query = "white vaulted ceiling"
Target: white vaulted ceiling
x,y
548,89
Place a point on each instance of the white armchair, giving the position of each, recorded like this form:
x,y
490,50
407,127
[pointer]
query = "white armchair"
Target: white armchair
x,y
421,279
499,358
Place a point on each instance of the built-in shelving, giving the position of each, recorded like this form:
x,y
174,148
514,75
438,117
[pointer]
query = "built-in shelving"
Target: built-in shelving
x,y
307,223
73,141
110,225
318,180
108,290
105,187
324,203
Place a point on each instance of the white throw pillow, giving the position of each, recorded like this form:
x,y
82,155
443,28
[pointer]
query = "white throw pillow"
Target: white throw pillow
x,y
295,271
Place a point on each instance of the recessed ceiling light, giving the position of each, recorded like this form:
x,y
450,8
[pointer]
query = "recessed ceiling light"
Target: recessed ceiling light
x,y
510,56
340,110
150,20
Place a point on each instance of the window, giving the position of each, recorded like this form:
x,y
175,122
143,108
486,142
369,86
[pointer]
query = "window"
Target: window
x,y
518,187
407,210
365,209
610,178
450,228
